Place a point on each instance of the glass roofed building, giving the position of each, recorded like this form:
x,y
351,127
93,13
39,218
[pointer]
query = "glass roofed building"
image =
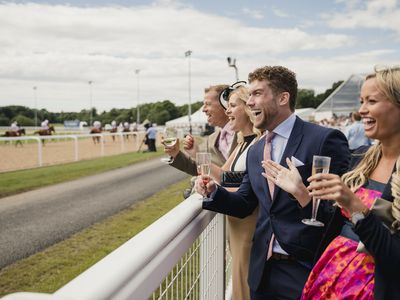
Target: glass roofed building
x,y
343,100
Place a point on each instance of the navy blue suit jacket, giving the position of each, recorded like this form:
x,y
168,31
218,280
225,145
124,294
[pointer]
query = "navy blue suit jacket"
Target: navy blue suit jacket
x,y
283,214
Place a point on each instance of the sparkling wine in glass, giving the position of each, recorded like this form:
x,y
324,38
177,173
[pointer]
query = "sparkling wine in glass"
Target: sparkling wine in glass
x,y
170,137
320,165
203,161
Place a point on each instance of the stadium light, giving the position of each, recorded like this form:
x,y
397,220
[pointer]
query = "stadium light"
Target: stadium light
x,y
188,54
232,63
91,105
137,71
35,98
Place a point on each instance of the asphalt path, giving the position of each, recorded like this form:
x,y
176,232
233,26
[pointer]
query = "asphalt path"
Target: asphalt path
x,y
33,221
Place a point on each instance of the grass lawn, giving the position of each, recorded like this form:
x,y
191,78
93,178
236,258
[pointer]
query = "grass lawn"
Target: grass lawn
x,y
21,181
49,270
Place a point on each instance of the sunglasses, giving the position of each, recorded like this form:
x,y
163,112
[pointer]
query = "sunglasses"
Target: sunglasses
x,y
224,95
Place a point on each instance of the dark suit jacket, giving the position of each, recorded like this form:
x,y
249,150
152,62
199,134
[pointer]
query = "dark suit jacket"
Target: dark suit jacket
x,y
383,246
184,163
283,215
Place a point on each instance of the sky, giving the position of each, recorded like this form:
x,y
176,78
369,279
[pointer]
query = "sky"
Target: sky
x,y
51,50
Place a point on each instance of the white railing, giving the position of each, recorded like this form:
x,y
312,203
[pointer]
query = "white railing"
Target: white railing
x,y
180,256
56,149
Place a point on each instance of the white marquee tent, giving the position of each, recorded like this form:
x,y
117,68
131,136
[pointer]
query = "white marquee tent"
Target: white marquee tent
x,y
198,118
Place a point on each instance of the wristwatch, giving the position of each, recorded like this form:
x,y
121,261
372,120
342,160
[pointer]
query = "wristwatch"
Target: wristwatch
x,y
359,215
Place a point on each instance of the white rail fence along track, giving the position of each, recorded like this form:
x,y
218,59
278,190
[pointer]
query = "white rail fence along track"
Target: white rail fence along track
x,y
180,256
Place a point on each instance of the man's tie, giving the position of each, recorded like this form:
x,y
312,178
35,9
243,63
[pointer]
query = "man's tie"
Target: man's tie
x,y
223,142
271,185
267,155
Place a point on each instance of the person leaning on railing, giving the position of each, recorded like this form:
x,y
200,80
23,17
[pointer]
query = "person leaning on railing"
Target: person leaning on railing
x,y
283,247
241,231
219,147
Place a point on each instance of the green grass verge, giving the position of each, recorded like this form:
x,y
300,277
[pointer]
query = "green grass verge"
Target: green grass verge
x,y
21,181
49,270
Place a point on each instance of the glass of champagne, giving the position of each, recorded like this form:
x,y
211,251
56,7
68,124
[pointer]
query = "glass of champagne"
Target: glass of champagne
x,y
320,165
170,136
203,161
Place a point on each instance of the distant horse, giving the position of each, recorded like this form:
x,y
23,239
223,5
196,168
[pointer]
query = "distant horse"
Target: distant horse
x,y
17,133
113,130
126,136
46,131
96,138
20,132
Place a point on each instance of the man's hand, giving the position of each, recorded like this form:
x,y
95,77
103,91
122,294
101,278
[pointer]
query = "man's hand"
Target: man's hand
x,y
171,150
204,185
190,146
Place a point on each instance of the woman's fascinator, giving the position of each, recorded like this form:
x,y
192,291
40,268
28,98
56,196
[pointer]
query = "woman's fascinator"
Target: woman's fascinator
x,y
224,95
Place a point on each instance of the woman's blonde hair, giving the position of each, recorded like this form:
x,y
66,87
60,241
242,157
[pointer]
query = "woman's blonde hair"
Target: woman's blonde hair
x,y
388,82
242,93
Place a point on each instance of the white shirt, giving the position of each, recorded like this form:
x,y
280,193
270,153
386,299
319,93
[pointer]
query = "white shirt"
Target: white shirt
x,y
278,145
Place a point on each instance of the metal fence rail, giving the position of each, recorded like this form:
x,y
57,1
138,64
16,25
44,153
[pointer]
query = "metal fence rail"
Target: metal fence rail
x,y
24,152
180,256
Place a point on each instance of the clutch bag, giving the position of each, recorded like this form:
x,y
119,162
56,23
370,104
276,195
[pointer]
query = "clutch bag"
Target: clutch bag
x,y
232,178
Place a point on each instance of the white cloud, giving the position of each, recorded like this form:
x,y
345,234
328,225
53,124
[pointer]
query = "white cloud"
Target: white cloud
x,y
280,13
60,48
255,14
381,14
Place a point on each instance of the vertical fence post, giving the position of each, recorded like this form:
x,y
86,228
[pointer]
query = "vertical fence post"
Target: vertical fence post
x,y
40,157
76,147
102,144
220,256
123,142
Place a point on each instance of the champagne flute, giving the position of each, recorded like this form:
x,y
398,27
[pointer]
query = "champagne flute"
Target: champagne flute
x,y
203,162
170,137
320,165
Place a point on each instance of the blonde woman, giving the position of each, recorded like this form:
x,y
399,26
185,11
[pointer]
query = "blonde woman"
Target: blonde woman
x,y
343,272
240,231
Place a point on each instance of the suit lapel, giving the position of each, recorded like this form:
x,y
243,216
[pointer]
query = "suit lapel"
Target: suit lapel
x,y
218,159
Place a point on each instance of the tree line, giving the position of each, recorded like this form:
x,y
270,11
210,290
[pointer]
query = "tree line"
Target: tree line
x,y
158,112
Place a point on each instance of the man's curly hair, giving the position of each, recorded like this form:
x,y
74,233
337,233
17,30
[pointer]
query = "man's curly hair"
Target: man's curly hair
x,y
280,79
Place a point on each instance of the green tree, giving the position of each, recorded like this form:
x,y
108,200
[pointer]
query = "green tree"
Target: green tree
x,y
4,121
305,98
24,121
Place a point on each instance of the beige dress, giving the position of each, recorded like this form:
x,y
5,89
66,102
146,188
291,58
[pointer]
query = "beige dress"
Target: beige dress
x,y
240,236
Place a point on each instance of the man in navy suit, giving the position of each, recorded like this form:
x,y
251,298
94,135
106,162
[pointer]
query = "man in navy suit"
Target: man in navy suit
x,y
283,248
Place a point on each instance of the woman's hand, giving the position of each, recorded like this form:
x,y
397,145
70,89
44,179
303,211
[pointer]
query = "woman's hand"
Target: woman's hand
x,y
331,187
287,179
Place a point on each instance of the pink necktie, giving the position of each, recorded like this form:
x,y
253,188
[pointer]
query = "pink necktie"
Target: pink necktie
x,y
223,142
267,155
271,186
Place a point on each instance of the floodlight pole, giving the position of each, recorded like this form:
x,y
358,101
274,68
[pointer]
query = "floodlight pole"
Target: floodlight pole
x,y
188,54
232,63
137,71
35,98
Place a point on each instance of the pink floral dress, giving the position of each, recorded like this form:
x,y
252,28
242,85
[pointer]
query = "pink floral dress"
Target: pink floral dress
x,y
342,272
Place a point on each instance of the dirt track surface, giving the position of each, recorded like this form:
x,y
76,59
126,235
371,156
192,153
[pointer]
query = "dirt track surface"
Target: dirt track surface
x,y
35,220
17,157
